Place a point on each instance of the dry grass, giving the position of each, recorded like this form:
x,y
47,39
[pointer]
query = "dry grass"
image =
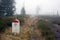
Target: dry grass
x,y
23,35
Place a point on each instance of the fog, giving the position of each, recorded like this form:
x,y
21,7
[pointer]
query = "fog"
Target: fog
x,y
47,7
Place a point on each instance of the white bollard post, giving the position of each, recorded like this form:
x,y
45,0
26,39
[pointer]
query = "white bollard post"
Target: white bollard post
x,y
15,26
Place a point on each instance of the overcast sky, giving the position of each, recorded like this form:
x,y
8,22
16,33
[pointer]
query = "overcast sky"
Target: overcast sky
x,y
46,6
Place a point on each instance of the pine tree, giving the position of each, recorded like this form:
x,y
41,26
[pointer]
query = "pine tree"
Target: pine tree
x,y
23,13
6,8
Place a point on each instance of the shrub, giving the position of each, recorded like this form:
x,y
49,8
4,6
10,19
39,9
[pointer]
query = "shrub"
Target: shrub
x,y
56,22
45,30
21,20
5,23
2,25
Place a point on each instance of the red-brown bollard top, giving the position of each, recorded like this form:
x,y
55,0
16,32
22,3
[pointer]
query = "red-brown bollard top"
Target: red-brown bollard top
x,y
15,20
